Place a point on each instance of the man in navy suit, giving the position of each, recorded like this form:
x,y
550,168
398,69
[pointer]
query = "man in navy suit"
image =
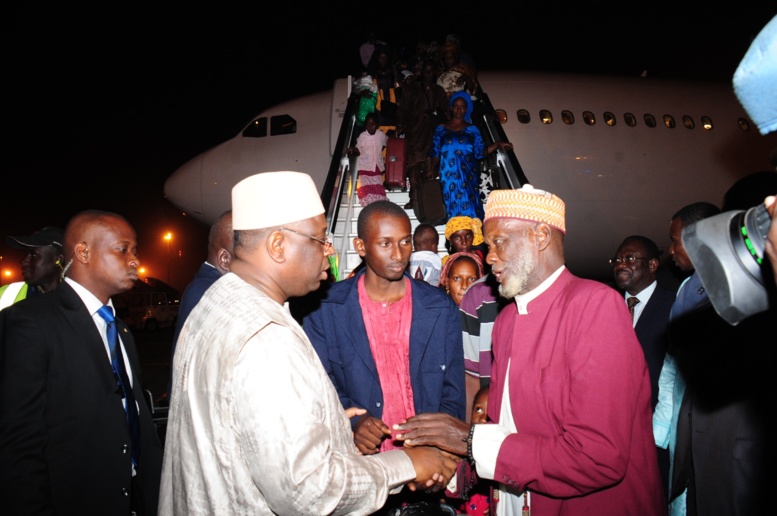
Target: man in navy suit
x,y
220,243
635,266
391,344
65,442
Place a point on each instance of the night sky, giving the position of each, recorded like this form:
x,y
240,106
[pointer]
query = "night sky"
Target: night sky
x,y
100,106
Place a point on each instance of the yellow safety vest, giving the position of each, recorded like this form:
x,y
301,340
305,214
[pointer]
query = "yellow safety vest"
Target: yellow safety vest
x,y
12,293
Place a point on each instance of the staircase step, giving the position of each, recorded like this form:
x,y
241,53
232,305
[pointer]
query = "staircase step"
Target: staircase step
x,y
350,260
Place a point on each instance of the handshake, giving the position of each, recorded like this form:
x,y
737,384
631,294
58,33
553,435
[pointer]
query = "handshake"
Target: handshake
x,y
436,443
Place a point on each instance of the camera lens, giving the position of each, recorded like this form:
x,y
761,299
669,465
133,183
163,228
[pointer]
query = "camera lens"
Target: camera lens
x,y
727,253
756,226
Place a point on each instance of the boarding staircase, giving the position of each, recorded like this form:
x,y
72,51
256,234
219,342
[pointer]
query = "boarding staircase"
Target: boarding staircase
x,y
345,227
339,191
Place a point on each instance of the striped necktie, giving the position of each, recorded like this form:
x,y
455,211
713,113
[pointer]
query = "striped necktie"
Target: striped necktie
x,y
632,301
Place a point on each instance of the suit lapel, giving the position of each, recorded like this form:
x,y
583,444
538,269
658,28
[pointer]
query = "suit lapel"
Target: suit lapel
x,y
424,319
652,310
89,341
646,315
356,332
131,351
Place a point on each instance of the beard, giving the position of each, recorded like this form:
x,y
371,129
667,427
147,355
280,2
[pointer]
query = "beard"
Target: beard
x,y
518,272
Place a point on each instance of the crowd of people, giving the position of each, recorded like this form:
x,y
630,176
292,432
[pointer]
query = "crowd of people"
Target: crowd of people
x,y
493,380
428,100
586,390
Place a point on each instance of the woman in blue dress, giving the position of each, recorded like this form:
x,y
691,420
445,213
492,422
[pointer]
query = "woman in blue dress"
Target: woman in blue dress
x,y
457,148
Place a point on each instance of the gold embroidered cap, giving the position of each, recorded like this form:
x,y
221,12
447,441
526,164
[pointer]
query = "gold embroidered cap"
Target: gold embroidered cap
x,y
272,199
527,203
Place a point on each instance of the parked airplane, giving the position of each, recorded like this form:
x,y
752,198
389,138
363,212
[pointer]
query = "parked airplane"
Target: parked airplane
x,y
623,153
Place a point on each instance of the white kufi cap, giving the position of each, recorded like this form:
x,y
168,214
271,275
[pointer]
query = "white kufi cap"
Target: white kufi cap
x,y
272,199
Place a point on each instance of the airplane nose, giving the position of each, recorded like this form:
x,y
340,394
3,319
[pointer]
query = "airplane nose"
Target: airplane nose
x,y
184,187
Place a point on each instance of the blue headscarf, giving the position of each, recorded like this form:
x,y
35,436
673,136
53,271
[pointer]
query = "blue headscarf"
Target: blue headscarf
x,y
464,95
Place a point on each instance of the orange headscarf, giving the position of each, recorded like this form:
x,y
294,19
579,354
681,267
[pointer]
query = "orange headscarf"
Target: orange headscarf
x,y
458,223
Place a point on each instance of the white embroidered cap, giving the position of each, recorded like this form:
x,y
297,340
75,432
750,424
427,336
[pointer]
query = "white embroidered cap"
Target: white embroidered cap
x,y
271,199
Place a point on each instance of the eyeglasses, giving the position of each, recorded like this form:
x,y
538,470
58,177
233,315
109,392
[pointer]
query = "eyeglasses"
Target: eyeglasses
x,y
326,241
631,260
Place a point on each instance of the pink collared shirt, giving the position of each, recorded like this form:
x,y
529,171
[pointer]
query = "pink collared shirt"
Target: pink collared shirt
x,y
388,330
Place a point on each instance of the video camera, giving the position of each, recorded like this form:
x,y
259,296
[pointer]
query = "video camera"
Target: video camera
x,y
727,252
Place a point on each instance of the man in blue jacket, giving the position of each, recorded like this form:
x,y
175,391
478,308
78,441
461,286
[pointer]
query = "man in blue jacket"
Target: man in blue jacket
x,y
391,344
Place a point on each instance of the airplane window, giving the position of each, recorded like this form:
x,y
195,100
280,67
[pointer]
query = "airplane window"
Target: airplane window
x,y
523,116
567,117
282,124
257,128
630,119
669,121
744,124
688,122
609,118
589,118
706,123
650,120
501,116
546,117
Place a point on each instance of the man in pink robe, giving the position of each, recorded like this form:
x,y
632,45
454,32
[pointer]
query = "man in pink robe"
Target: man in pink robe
x,y
570,391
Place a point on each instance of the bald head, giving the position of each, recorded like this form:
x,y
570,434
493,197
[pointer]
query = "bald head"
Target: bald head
x,y
101,251
221,242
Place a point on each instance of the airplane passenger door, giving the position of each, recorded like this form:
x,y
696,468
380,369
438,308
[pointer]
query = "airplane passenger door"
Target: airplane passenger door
x,y
340,94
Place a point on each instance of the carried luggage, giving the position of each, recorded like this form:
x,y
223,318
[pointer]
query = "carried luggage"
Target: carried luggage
x,y
387,110
428,203
396,166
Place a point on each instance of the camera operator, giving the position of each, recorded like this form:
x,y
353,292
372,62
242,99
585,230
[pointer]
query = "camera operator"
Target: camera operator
x,y
753,83
725,433
725,430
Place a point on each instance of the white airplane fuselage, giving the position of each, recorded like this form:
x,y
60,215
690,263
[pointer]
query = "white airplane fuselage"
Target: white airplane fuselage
x,y
616,180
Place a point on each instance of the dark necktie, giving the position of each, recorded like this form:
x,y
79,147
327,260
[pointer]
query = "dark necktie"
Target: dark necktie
x,y
632,301
122,380
419,273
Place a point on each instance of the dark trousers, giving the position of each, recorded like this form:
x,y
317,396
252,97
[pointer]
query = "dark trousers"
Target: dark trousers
x,y
663,469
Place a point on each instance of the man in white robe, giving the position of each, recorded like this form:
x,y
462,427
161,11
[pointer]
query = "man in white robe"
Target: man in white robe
x,y
256,426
